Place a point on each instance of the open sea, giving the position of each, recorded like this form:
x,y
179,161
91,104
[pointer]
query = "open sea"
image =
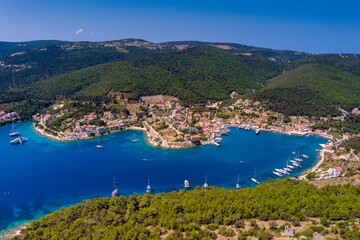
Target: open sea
x,y
41,175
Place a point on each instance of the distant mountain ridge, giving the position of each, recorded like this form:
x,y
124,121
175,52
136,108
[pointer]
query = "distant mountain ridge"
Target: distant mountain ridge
x,y
194,71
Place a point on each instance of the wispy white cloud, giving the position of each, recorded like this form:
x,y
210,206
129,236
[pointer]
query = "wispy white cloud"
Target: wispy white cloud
x,y
79,31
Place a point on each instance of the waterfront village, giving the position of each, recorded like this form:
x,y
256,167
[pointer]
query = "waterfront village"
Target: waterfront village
x,y
170,125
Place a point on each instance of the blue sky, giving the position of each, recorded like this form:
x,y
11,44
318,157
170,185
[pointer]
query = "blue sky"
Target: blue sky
x,y
311,26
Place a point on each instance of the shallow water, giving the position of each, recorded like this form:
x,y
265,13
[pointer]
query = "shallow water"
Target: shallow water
x,y
41,175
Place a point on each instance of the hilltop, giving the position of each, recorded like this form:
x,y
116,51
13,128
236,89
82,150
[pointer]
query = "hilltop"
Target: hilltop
x,y
312,89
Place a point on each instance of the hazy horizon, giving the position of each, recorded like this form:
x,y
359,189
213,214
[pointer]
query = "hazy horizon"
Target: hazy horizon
x,y
307,26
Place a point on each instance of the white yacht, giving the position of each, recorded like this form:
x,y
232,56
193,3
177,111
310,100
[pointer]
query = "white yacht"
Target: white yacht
x,y
148,188
238,183
19,140
13,133
205,184
186,184
254,179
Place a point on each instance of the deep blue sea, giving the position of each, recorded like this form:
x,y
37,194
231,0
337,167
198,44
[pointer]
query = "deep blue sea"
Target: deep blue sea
x,y
41,175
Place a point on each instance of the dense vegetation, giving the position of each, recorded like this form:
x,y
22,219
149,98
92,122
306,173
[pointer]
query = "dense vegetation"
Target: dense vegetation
x,y
313,84
53,61
312,89
148,216
12,47
296,101
195,75
353,143
350,124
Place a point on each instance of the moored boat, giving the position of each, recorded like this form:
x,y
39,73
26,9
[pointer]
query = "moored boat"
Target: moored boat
x,y
305,156
282,171
277,174
19,140
13,133
115,192
134,139
254,179
237,186
290,166
205,184
148,188
186,184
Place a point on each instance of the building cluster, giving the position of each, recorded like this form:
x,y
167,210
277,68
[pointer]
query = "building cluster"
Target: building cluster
x,y
8,116
84,128
15,67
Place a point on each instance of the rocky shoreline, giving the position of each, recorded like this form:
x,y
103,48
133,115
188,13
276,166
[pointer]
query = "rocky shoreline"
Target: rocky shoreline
x,y
13,232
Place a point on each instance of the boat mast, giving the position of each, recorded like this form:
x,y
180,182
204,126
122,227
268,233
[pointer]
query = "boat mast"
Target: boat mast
x,y
148,188
114,182
205,184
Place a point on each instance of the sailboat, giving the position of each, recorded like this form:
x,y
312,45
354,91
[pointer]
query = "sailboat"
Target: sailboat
x,y
99,146
238,182
148,188
19,140
254,179
205,184
115,192
13,133
186,184
134,139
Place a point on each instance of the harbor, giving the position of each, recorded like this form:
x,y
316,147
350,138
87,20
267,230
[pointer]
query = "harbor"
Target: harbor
x,y
79,170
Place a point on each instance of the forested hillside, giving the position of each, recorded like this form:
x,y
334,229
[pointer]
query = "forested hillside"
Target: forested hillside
x,y
44,63
195,75
194,71
312,89
196,213
12,47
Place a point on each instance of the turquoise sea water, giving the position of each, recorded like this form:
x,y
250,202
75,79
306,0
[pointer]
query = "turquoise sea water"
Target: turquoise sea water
x,y
42,175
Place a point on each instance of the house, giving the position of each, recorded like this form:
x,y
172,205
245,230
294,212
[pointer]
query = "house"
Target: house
x,y
91,128
329,149
335,171
101,129
183,128
109,115
178,116
90,117
46,117
191,129
188,137
13,115
180,137
114,127
71,135
195,137
338,170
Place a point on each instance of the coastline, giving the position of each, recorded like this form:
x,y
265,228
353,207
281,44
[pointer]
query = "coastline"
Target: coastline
x,y
314,168
13,232
142,129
